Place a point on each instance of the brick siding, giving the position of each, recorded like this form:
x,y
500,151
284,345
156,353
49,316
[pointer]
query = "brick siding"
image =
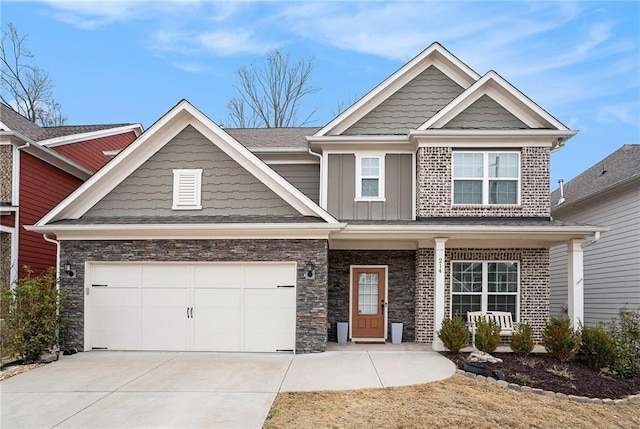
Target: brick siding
x,y
311,300
534,285
434,177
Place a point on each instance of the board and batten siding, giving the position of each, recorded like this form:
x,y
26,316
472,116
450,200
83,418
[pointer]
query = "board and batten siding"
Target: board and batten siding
x,y
611,265
227,188
305,177
486,113
410,106
341,190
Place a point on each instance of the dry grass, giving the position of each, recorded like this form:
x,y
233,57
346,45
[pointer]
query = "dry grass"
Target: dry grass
x,y
456,402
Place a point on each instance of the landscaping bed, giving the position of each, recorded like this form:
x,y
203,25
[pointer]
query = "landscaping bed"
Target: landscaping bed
x,y
545,372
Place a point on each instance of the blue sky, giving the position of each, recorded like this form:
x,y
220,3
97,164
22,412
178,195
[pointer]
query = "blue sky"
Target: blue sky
x,y
131,61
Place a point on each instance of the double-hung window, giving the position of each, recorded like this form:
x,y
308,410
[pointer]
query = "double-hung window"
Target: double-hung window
x,y
369,177
486,178
484,286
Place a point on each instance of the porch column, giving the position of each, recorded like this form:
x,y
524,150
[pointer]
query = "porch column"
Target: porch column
x,y
575,285
438,298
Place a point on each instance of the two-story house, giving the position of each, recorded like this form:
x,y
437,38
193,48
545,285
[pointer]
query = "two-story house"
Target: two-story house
x,y
427,197
39,167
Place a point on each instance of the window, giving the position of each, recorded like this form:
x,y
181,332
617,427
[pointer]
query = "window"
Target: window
x,y
484,286
486,178
187,189
370,178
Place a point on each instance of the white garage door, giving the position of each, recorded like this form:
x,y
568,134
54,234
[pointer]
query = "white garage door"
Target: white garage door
x,y
203,307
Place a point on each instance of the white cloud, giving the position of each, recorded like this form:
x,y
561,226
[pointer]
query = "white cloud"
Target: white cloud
x,y
191,66
232,42
628,113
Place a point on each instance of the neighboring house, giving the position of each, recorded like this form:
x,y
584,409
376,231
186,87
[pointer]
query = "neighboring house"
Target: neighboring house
x,y
427,197
606,194
40,166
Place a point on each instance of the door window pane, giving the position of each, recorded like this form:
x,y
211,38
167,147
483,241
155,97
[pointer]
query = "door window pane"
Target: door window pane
x,y
368,293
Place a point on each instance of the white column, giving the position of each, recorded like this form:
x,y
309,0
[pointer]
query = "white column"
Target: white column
x,y
438,298
575,285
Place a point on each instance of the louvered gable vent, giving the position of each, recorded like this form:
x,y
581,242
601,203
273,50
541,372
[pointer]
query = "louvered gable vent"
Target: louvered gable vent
x,y
187,189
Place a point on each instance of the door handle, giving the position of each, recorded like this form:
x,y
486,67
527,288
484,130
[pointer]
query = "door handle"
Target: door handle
x,y
192,312
382,307
189,315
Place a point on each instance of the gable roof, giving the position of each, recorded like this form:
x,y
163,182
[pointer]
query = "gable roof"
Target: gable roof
x,y
158,135
263,138
505,94
435,54
619,168
10,120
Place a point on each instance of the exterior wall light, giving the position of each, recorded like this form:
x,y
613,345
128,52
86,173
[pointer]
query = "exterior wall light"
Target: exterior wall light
x,y
68,269
310,271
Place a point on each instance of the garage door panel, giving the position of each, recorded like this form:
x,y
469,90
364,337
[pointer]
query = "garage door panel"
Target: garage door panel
x,y
218,276
280,297
258,342
269,275
164,319
117,275
172,275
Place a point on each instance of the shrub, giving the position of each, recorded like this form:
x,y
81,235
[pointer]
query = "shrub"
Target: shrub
x,y
560,340
596,347
522,340
487,335
626,343
31,321
454,333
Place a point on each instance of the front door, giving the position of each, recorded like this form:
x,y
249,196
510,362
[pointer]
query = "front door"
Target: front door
x,y
368,303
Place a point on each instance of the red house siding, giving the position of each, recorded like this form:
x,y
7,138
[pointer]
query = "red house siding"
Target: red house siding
x,y
42,187
8,220
89,153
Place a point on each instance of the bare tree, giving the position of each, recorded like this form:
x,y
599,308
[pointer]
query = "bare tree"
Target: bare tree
x,y
26,88
271,92
342,105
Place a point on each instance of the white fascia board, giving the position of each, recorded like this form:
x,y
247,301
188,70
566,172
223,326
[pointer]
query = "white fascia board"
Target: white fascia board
x,y
45,154
189,231
159,134
495,86
489,138
435,54
92,135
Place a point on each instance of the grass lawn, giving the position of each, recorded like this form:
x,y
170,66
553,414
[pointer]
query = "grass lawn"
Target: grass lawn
x,y
457,402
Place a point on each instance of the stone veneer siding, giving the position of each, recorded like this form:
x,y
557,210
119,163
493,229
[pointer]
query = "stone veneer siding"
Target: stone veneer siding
x,y
6,173
5,258
534,285
401,277
311,300
434,184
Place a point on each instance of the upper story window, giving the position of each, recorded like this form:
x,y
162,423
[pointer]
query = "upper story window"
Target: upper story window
x,y
187,189
370,177
486,178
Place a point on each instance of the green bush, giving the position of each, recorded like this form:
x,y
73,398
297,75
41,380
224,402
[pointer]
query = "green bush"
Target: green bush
x,y
522,340
31,322
596,347
487,335
559,338
626,343
454,333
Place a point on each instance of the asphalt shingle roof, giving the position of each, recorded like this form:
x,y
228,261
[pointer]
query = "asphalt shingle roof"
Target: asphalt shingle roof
x,y
258,138
619,167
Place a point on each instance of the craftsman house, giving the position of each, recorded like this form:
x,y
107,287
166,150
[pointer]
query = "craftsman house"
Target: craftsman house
x,y
428,196
40,166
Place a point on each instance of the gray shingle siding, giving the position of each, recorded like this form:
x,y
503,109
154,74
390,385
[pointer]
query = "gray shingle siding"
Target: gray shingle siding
x,y
486,114
227,188
410,106
305,177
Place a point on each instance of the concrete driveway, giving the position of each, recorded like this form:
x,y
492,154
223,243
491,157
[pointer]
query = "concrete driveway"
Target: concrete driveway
x,y
189,390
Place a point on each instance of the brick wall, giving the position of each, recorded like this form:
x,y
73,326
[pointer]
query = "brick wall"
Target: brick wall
x,y
434,186
311,324
402,280
534,285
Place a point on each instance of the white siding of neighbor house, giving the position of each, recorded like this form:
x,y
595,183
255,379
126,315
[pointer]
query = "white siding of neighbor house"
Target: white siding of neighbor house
x,y
612,265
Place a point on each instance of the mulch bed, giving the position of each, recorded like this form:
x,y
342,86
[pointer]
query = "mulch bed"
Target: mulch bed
x,y
545,372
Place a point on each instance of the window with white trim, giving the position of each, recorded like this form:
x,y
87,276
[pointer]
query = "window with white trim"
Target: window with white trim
x,y
486,178
485,286
187,189
370,177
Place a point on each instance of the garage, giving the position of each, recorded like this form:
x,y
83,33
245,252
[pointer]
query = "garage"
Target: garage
x,y
238,307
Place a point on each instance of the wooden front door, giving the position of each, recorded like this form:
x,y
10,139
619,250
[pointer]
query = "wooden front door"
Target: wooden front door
x,y
368,303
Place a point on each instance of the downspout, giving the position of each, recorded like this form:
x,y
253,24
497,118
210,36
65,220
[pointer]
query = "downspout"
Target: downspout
x,y
57,243
594,240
